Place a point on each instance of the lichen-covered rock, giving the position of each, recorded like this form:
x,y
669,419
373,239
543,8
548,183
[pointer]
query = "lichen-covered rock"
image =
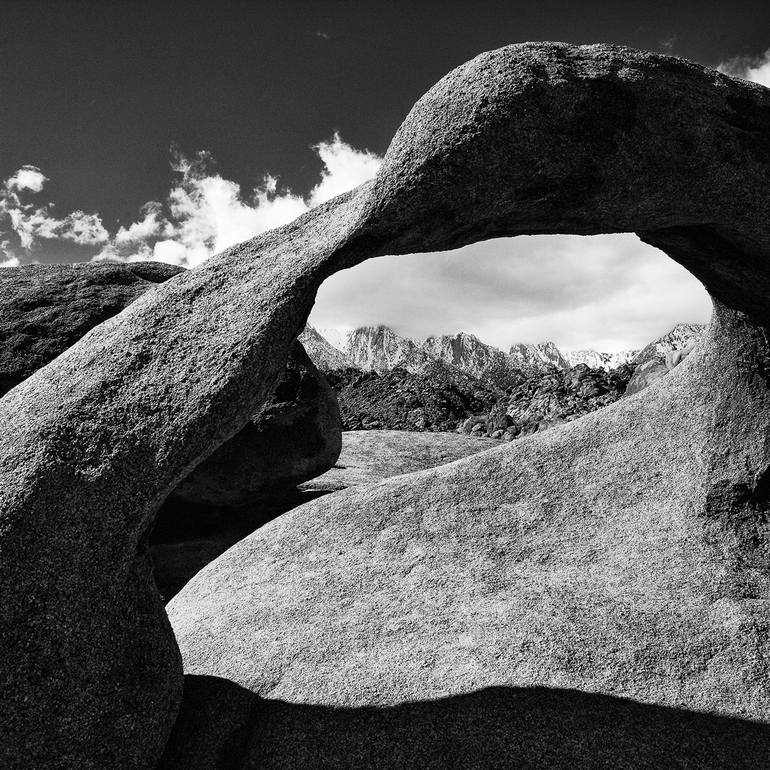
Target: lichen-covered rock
x,y
296,437
623,555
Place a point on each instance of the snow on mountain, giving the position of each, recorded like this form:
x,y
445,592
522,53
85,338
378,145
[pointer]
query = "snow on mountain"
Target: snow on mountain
x,y
321,353
542,355
337,338
380,349
683,335
465,351
597,360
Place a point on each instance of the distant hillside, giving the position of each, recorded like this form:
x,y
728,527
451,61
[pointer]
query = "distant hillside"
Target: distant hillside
x,y
539,357
442,398
380,349
436,399
596,360
681,336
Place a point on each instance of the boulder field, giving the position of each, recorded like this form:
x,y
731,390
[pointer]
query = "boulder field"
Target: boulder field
x,y
593,595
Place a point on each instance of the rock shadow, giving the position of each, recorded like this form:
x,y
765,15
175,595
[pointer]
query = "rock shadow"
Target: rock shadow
x,y
222,725
188,536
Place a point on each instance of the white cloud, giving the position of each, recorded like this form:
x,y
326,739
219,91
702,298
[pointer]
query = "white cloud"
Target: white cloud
x,y
206,213
344,169
612,292
151,226
31,223
9,261
27,178
755,68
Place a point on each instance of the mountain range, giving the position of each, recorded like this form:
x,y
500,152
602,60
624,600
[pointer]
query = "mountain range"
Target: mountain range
x,y
380,349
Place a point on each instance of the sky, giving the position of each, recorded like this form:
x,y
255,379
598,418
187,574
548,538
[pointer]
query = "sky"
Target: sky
x,y
138,130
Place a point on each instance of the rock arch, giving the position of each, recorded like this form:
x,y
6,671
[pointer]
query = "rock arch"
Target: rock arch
x,y
532,138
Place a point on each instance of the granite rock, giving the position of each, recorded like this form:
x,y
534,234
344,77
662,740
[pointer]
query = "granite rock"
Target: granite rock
x,y
622,555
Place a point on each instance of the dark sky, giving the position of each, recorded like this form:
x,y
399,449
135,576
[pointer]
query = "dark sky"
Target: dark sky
x,y
95,93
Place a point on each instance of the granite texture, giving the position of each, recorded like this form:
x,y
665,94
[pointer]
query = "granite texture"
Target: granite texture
x,y
623,555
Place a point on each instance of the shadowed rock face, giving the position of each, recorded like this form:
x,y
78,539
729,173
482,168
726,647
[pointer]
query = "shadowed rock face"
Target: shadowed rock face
x,y
296,437
624,553
495,727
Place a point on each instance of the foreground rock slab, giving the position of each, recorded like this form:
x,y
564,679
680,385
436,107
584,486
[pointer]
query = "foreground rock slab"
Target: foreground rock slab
x,y
369,456
623,555
553,564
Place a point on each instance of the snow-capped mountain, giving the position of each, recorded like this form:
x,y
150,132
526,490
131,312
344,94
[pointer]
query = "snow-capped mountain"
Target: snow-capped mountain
x,y
597,360
380,349
681,336
541,356
337,338
465,351
322,354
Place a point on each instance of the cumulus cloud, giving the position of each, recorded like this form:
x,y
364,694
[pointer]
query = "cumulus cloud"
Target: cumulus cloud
x,y
205,213
7,261
344,169
27,178
29,223
202,214
756,68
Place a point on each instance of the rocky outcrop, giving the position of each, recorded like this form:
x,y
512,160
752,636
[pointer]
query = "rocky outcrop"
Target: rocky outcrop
x,y
654,368
622,557
434,399
544,400
645,375
45,309
296,437
682,336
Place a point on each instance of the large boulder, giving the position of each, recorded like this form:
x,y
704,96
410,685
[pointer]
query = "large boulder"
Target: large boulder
x,y
652,370
644,375
45,309
296,437
622,557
